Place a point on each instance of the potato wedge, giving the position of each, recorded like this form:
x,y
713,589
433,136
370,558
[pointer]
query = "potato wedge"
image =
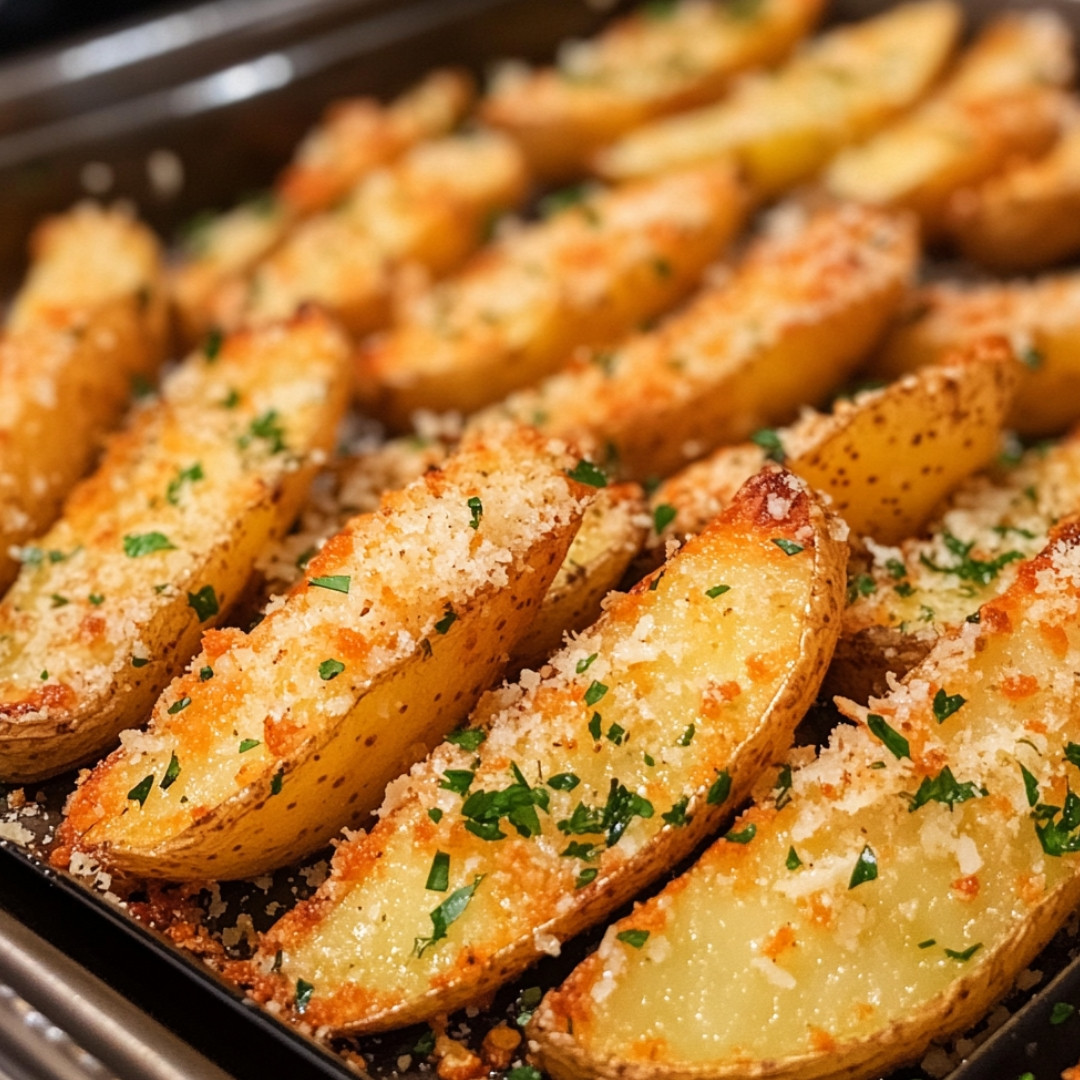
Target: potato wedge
x,y
431,208
781,128
1001,102
403,620
886,458
902,598
659,60
158,542
796,316
354,137
1026,218
1041,318
882,895
700,676
89,322
582,277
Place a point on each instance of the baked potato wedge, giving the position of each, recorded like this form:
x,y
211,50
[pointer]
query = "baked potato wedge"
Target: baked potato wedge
x,y
1025,218
543,815
430,209
881,895
353,138
276,739
902,598
886,458
584,276
782,127
790,324
659,60
1002,101
1040,317
89,322
158,542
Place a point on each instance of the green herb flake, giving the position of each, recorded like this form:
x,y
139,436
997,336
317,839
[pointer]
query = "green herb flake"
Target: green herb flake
x,y
438,879
594,726
457,780
720,790
783,787
654,584
138,544
1058,835
943,788
866,868
929,943
717,590
204,602
447,913
741,836
587,876
894,742
476,510
276,782
140,661
648,759
584,665
966,954
1031,786
788,547
860,585
304,990
212,345
595,692
524,1072
142,789
248,744
96,599
616,734
577,850
333,582
564,781
634,938
435,814
980,571
206,673
44,676
792,862
268,428
469,739
184,476
769,441
448,620
585,472
677,817
231,399
171,773
425,1045
179,706
896,568
1072,753
59,601
663,516
946,704
330,669
1061,1012
687,737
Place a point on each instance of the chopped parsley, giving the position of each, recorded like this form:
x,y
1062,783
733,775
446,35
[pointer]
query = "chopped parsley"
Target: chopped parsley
x,y
435,814
138,544
142,789
1072,753
577,850
438,879
268,428
204,602
896,568
517,803
248,744
304,990
1061,1012
929,943
866,868
687,737
448,620
943,788
677,817
212,345
634,938
179,706
788,547
586,876
656,581
595,692
770,442
96,599
585,472
612,818
894,742
330,669
594,726
966,568
140,661
206,673
717,590
860,585
966,954
476,509
172,771
184,476
741,836
783,787
59,601
457,780
468,739
231,399
792,862
1031,786
946,704
1058,837
447,913
564,781
663,515
720,790
584,665
276,781
334,582
616,734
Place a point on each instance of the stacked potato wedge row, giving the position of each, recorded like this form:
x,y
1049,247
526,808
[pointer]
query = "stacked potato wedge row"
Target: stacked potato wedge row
x,y
159,542
354,138
572,789
883,893
276,739
88,323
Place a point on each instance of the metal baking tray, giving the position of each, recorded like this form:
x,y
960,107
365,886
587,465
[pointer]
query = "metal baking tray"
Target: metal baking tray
x,y
224,90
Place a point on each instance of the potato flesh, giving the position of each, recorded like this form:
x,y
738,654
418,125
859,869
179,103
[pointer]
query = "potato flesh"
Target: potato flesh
x,y
789,325
748,960
782,128
271,708
691,678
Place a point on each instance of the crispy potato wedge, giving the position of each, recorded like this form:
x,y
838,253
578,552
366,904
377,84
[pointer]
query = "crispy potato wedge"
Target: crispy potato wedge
x,y
902,598
781,128
354,137
882,895
1041,318
886,458
1001,102
403,620
1026,218
653,62
431,208
88,323
790,324
158,542
700,676
582,277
